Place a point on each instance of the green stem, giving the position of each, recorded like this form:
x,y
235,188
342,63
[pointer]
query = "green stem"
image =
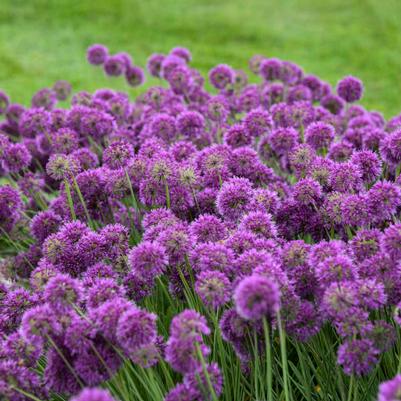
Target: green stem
x,y
206,373
69,198
25,393
283,349
168,202
351,387
269,375
82,200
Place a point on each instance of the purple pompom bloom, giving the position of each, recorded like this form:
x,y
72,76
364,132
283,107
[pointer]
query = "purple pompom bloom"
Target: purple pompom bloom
x,y
115,66
136,328
257,122
62,90
391,241
16,157
154,64
62,166
257,297
383,199
117,154
64,140
259,223
368,163
190,124
213,288
283,140
44,224
345,177
62,291
390,148
45,98
134,76
97,54
270,69
390,390
207,228
221,76
350,89
307,192
319,135
357,357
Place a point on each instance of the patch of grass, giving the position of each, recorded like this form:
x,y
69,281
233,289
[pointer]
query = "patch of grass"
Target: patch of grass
x,y
45,40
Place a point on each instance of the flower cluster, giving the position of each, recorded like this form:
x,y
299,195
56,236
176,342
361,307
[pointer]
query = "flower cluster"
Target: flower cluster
x,y
143,232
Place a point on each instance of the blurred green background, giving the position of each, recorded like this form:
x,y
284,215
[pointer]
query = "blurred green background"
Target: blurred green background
x,y
43,41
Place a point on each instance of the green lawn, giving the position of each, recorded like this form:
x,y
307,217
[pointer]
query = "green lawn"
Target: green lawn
x,y
42,41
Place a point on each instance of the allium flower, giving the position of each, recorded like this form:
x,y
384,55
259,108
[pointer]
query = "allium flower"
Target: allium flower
x,y
117,154
62,166
307,192
350,89
333,103
390,147
221,76
257,122
207,228
319,135
217,109
154,64
270,69
383,199
233,199
97,54
62,90
114,66
136,328
63,291
4,102
44,224
355,210
390,390
189,324
190,124
134,76
213,288
336,268
45,98
237,135
391,241
257,297
148,259
368,163
357,356
365,244
260,223
345,177
198,384
265,200
182,52
169,64
16,157
283,140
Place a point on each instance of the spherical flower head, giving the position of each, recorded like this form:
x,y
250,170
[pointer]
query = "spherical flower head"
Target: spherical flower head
x,y
45,98
283,140
114,66
383,199
169,63
182,52
390,390
148,259
345,177
257,122
391,241
60,167
163,126
117,154
234,197
257,297
39,322
319,135
34,122
265,200
350,89
390,148
86,158
270,69
136,328
4,102
213,288
199,385
176,241
355,211
217,109
134,76
333,103
102,289
336,268
64,140
13,114
357,356
365,244
16,157
189,324
62,89
307,192
154,64
221,76
62,291
97,54
237,135
259,223
43,224
208,228
368,163
180,80
190,124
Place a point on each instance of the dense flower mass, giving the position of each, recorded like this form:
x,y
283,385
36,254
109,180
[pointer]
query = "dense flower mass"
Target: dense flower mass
x,y
177,245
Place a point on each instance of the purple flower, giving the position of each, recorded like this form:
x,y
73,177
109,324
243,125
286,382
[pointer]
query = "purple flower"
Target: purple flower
x,y
357,356
345,177
319,135
390,147
154,64
257,122
257,297
283,140
117,154
190,124
44,224
115,66
237,135
233,199
198,384
213,288
62,291
391,241
45,98
16,157
136,328
182,52
270,69
62,90
383,199
350,89
260,223
368,163
134,76
221,76
390,390
4,102
307,192
61,166
207,228
97,54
